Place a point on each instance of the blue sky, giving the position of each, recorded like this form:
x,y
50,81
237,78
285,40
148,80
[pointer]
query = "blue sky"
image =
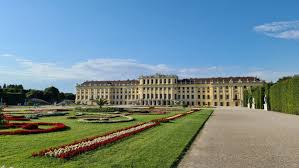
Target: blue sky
x,y
64,42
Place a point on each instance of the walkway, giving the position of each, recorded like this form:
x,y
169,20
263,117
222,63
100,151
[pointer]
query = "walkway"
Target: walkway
x,y
239,137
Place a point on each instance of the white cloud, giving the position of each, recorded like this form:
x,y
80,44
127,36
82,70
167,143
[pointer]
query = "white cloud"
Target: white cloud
x,y
48,73
284,29
97,69
6,55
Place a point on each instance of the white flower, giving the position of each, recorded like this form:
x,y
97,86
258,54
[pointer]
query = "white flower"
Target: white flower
x,y
66,149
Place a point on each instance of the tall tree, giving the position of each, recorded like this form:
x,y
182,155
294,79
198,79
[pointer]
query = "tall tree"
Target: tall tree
x,y
35,94
51,94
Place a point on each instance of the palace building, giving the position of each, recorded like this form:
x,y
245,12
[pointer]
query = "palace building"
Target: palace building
x,y
163,90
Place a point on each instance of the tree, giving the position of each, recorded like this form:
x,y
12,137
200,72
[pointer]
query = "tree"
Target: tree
x,y
16,87
61,96
13,94
101,102
284,78
35,94
51,94
70,96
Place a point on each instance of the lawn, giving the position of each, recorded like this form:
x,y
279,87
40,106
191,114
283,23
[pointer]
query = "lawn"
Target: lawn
x,y
157,147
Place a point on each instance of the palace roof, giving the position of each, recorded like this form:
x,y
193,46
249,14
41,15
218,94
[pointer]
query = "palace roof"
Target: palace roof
x,y
179,81
219,80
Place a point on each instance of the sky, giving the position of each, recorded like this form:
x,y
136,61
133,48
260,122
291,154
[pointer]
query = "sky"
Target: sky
x,y
65,42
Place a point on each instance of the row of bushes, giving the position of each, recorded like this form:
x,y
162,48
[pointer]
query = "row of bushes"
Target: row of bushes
x,y
13,98
16,94
258,93
103,109
282,96
285,96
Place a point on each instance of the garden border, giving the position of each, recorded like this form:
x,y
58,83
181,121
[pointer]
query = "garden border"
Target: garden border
x,y
57,127
70,150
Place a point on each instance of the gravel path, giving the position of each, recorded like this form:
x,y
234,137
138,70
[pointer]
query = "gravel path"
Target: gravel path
x,y
241,138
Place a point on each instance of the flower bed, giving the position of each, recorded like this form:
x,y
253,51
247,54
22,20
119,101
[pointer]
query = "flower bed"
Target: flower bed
x,y
103,109
173,117
29,128
148,112
107,120
88,144
15,118
158,112
46,114
102,118
70,150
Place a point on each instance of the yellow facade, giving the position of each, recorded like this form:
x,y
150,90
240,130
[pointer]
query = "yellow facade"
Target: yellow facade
x,y
161,90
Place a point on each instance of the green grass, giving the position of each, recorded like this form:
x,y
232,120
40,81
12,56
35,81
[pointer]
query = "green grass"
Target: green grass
x,y
159,147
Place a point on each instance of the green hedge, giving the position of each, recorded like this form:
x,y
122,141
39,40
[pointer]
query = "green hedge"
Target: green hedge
x,y
284,96
267,93
14,98
247,97
258,93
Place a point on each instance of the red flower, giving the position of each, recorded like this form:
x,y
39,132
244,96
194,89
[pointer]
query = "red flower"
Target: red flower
x,y
56,127
107,138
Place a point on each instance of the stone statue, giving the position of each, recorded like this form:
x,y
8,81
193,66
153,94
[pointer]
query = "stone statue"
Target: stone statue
x,y
248,102
253,103
265,103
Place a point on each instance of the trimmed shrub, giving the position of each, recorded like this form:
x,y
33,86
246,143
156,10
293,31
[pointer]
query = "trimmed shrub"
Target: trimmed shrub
x,y
284,96
247,97
258,93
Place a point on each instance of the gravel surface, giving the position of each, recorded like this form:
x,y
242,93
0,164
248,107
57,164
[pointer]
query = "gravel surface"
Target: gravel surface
x,y
241,138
